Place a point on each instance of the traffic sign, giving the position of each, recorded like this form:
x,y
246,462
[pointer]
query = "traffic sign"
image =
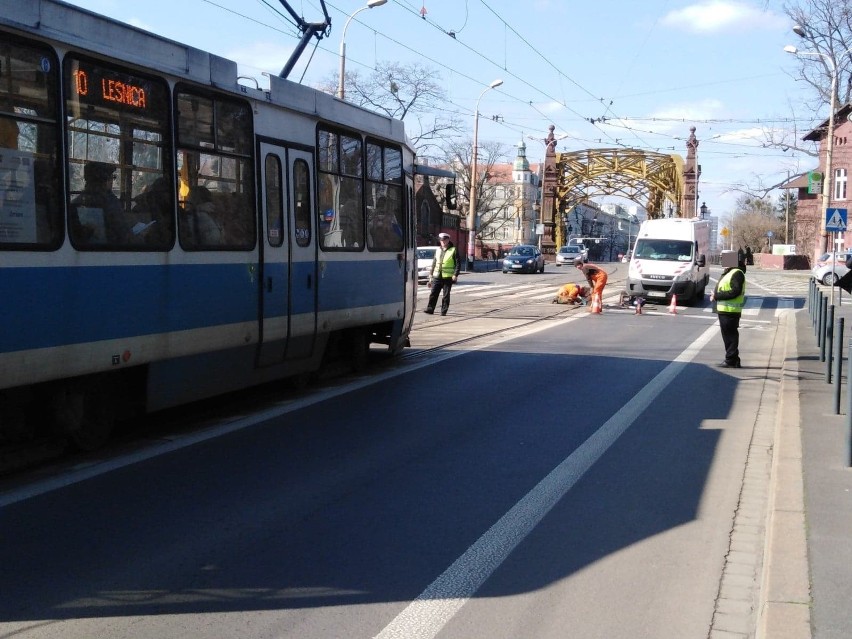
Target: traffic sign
x,y
835,220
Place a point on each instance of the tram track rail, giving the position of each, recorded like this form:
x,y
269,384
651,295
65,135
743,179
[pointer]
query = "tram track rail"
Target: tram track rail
x,y
558,311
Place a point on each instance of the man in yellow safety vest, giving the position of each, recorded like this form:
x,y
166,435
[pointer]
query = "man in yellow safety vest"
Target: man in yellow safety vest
x,y
729,299
443,274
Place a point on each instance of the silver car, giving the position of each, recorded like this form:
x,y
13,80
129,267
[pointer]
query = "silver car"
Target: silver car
x,y
425,255
823,271
567,254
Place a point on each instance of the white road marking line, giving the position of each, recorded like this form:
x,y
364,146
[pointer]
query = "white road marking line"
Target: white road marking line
x,y
511,289
424,617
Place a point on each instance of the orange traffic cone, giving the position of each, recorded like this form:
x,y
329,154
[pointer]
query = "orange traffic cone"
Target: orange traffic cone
x,y
673,305
597,307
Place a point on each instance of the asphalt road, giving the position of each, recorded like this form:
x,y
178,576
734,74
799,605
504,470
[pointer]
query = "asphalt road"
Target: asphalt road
x,y
576,475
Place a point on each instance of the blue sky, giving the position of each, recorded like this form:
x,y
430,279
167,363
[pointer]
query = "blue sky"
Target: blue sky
x,y
651,69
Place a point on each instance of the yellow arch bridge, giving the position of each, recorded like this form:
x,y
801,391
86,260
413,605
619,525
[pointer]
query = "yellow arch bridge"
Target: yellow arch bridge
x,y
663,183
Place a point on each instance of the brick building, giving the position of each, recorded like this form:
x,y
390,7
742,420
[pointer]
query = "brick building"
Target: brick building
x,y
811,238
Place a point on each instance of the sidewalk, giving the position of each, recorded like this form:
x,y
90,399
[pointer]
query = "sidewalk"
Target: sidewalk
x,y
807,587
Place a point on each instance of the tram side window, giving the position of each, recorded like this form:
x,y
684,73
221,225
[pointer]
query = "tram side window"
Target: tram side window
x,y
385,205
341,191
214,161
30,209
274,199
120,194
302,202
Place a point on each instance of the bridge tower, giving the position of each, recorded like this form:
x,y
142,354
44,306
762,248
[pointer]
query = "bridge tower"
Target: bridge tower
x,y
549,183
691,173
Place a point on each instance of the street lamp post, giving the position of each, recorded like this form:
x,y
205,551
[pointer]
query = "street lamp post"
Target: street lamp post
x,y
370,4
471,214
826,179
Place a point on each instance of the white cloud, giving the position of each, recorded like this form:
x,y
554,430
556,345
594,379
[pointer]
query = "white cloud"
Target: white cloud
x,y
140,24
677,117
551,107
718,15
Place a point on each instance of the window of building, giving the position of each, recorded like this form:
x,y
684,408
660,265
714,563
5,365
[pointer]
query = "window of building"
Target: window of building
x,y
840,181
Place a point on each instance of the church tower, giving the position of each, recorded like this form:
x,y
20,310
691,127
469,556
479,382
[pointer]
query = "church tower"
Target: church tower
x,y
522,181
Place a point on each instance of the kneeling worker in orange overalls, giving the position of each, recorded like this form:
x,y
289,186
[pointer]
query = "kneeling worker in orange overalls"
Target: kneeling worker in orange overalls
x,y
595,276
571,294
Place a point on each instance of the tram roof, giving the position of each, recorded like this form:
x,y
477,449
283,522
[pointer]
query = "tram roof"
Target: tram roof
x,y
91,32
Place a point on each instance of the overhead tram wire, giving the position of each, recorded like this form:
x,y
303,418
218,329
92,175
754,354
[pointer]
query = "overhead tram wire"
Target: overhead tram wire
x,y
516,128
408,48
539,54
277,12
250,19
453,70
486,59
554,67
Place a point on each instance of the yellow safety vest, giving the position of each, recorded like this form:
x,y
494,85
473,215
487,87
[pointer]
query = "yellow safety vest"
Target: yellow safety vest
x,y
446,268
734,305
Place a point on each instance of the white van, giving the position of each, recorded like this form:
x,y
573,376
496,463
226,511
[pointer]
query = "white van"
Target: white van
x,y
670,258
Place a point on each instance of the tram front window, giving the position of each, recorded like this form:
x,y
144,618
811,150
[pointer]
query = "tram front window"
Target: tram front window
x,y
121,195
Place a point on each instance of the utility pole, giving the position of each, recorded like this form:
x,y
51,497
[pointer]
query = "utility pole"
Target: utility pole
x,y
787,211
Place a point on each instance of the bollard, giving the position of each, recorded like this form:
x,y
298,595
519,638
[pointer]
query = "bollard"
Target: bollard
x,y
812,289
838,364
815,301
849,416
817,312
823,311
828,343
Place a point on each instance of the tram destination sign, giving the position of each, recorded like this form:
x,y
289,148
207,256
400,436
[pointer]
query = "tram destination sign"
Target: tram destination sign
x,y
93,84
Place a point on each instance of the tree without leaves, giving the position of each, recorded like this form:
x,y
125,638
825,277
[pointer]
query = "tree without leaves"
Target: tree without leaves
x,y
458,154
410,92
753,218
827,28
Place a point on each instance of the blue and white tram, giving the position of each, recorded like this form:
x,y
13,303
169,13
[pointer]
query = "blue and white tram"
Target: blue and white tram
x,y
168,234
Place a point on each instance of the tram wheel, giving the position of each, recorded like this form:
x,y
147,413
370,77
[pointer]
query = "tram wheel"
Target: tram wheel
x,y
84,411
359,351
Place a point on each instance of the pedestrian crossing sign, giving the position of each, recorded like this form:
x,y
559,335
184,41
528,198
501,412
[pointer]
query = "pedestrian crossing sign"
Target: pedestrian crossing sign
x,y
835,220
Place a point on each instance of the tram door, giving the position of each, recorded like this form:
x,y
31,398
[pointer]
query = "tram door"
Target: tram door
x,y
289,285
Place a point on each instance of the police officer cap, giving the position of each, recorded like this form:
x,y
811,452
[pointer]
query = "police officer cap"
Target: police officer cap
x,y
443,236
